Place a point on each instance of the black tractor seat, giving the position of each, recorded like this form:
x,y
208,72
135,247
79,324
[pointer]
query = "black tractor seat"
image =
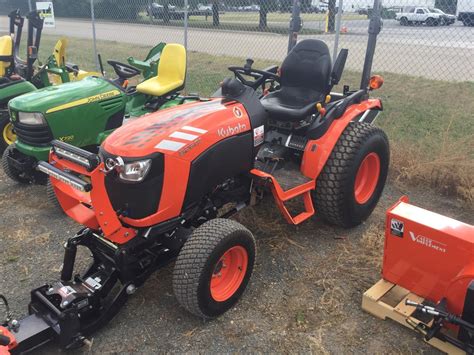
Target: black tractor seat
x,y
305,79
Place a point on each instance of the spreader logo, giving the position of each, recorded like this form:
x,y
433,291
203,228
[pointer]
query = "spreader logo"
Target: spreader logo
x,y
428,242
397,227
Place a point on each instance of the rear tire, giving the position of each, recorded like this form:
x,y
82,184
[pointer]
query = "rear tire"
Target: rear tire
x,y
9,170
202,281
404,21
52,198
430,21
351,182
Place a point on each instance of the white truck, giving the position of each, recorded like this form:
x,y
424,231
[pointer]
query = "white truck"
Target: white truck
x,y
424,15
465,12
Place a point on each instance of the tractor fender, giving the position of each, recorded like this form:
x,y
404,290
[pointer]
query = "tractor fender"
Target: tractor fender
x,y
317,151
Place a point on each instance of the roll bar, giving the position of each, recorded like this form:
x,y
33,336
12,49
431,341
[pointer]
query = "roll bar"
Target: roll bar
x,y
375,26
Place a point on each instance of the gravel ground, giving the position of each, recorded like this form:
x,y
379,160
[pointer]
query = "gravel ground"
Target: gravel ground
x,y
304,296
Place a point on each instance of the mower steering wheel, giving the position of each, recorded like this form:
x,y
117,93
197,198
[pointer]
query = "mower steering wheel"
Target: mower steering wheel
x,y
260,76
124,71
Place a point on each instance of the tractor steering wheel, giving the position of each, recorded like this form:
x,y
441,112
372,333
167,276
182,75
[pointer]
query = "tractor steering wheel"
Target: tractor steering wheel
x,y
260,76
124,71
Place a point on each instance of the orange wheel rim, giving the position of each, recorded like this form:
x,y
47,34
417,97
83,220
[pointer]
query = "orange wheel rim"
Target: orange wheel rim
x,y
367,178
228,274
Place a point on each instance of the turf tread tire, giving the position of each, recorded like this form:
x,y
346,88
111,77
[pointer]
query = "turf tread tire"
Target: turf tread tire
x,y
334,186
193,259
52,198
11,172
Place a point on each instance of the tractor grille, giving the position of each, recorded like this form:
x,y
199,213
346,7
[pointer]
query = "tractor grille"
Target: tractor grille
x,y
112,103
136,200
33,134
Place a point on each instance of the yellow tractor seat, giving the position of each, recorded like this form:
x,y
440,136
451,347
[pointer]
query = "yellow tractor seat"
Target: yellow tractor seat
x,y
59,51
6,50
171,72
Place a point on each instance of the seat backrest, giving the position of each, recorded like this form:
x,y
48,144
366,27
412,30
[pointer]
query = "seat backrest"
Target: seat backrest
x,y
59,52
308,65
172,65
6,50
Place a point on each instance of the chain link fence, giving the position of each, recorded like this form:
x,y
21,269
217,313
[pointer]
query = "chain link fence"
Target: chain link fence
x,y
422,38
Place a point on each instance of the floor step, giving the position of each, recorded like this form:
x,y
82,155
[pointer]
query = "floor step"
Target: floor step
x,y
290,177
287,184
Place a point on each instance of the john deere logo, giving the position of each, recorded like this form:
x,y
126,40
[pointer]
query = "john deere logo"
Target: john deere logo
x,y
13,116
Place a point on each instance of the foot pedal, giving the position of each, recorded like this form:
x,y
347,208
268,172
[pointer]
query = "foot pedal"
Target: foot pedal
x,y
296,142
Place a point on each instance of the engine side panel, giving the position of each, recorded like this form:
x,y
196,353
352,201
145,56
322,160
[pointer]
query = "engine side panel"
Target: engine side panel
x,y
228,158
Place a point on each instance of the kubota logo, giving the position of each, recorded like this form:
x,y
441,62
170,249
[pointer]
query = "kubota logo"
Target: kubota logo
x,y
428,242
231,130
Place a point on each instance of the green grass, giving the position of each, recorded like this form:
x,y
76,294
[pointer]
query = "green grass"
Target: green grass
x,y
248,21
429,122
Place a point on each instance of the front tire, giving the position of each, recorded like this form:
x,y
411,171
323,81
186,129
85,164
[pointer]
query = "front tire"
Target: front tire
x,y
7,136
214,267
9,170
352,181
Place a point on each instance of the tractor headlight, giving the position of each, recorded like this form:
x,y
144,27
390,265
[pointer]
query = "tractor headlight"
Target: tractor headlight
x,y
135,171
31,118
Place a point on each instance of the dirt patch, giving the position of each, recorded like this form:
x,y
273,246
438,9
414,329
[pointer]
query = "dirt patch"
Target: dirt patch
x,y
304,296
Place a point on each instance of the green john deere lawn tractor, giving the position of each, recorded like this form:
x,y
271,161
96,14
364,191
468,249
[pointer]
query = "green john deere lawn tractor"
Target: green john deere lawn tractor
x,y
18,77
85,112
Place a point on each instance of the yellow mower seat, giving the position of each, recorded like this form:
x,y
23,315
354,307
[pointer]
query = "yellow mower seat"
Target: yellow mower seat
x,y
6,50
59,51
171,72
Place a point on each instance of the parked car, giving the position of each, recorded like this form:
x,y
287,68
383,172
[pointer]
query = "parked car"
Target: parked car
x,y
424,15
446,19
202,7
157,11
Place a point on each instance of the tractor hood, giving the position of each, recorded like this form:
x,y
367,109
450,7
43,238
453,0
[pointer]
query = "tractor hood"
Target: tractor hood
x,y
64,96
184,131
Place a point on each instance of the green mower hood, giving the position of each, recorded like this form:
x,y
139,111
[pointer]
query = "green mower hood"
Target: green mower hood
x,y
14,89
66,96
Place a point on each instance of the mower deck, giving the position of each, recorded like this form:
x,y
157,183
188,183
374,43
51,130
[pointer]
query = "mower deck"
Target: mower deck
x,y
387,300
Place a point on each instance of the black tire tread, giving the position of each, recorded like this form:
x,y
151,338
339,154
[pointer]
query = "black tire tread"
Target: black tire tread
x,y
193,257
9,171
328,197
51,196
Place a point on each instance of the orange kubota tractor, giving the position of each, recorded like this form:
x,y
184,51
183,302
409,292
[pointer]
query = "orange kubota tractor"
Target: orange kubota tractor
x,y
161,189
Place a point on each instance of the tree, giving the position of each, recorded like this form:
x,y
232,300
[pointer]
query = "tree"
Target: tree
x,y
331,16
215,13
166,11
266,6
